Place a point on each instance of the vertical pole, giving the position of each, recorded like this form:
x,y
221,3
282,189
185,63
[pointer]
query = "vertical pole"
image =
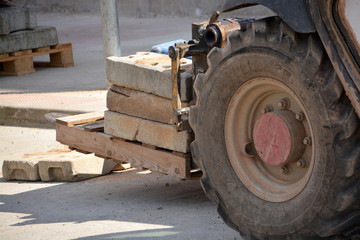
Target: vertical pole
x,y
110,28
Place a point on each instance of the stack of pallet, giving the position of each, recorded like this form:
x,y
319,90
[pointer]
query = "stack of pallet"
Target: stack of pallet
x,y
21,40
139,101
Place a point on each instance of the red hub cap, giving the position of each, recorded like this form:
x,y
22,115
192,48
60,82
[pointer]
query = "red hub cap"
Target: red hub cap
x,y
276,135
272,139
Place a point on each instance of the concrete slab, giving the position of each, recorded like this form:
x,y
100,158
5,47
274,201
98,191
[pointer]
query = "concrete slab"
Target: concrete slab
x,y
28,39
58,165
148,72
15,19
73,166
131,204
22,169
29,109
148,132
135,204
140,104
29,117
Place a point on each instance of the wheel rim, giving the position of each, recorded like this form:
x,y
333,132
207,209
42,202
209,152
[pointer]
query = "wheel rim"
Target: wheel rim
x,y
260,109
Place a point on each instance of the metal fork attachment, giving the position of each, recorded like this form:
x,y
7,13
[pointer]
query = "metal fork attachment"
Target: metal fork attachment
x,y
206,35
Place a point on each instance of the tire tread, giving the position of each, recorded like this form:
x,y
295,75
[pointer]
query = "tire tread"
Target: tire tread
x,y
341,214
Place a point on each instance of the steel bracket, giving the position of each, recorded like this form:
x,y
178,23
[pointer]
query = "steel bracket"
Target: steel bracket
x,y
176,53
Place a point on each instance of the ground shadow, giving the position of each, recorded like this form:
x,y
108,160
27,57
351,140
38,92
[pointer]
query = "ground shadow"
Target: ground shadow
x,y
131,197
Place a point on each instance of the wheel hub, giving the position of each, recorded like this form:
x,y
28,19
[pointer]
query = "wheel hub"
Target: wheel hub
x,y
278,137
269,140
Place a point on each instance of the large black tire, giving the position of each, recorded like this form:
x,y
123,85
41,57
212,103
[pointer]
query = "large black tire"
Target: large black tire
x,y
329,204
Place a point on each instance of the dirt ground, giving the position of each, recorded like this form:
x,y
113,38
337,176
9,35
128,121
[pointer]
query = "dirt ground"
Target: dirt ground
x,y
134,204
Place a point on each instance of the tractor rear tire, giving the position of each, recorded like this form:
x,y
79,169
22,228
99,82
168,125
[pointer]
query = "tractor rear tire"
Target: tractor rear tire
x,y
260,66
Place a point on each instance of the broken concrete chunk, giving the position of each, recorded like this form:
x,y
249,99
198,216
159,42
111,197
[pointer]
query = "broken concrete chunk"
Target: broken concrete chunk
x,y
140,104
23,169
122,167
148,72
37,38
148,132
59,165
74,166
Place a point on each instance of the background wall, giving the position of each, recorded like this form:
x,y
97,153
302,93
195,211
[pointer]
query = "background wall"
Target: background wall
x,y
137,8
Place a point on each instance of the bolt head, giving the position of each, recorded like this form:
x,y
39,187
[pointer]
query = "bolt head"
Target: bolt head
x,y
307,141
302,163
284,103
300,116
267,109
285,169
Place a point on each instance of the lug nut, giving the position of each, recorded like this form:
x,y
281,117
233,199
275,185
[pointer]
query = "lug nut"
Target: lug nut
x,y
267,109
284,103
302,163
307,141
285,169
300,116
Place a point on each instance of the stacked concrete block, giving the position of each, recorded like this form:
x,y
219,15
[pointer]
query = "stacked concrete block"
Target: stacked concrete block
x,y
146,131
28,39
139,100
140,104
19,31
148,72
14,19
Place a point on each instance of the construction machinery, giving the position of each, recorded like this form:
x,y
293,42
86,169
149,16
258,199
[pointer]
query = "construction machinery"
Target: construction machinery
x,y
275,116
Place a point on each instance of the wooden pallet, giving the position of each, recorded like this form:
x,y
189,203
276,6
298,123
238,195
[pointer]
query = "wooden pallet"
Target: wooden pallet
x,y
21,62
84,133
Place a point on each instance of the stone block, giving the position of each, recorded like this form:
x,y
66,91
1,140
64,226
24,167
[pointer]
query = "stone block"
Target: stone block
x,y
140,104
23,169
148,132
15,19
28,39
73,166
56,166
148,72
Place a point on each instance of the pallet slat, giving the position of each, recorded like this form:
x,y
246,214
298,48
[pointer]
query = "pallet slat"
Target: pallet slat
x,y
20,53
43,49
21,62
94,127
5,55
31,53
80,118
117,149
